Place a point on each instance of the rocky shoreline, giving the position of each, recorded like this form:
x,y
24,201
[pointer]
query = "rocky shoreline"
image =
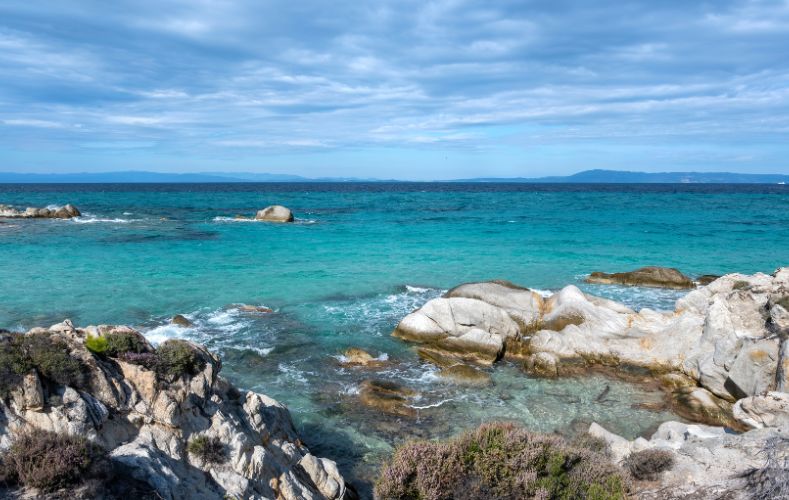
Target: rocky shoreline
x,y
65,212
154,410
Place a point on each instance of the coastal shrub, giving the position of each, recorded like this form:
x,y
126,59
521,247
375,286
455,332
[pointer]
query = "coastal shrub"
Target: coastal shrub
x,y
648,464
124,342
499,461
208,449
19,354
147,360
14,362
49,461
177,358
53,360
97,345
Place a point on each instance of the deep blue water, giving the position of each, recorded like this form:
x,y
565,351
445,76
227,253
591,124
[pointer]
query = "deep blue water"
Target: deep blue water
x,y
358,258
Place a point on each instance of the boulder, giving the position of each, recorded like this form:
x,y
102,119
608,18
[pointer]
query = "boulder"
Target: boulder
x,y
353,356
653,276
706,279
523,305
275,213
757,412
181,320
389,397
465,375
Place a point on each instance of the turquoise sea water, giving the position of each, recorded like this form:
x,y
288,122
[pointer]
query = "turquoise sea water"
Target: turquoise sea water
x,y
359,258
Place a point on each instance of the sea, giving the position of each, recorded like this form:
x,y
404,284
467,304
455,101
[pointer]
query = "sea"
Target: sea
x,y
357,259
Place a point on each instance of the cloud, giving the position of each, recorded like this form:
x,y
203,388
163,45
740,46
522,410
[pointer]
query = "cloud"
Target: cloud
x,y
204,81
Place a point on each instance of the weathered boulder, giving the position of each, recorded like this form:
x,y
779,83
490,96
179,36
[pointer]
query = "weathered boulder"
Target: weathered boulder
x,y
770,410
709,462
652,276
523,305
275,213
146,418
65,212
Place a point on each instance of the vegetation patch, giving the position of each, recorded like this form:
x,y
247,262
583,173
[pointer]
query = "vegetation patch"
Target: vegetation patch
x,y
115,344
501,461
50,356
177,358
648,464
210,450
48,461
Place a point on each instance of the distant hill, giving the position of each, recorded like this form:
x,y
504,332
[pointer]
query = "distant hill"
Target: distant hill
x,y
585,177
616,176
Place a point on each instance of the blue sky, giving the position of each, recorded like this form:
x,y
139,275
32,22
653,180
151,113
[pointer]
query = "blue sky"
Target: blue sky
x,y
394,89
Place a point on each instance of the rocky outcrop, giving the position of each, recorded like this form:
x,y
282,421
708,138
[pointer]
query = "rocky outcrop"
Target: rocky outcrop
x,y
146,419
275,213
660,277
758,412
709,462
64,212
722,343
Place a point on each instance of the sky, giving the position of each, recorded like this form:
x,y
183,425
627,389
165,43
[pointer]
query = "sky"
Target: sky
x,y
406,89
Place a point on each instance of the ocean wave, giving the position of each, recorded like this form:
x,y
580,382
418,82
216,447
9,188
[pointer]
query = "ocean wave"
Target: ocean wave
x,y
305,222
91,219
232,219
162,333
263,351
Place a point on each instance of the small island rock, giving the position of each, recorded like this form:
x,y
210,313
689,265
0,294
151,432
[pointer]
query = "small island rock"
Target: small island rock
x,y
65,212
275,213
658,277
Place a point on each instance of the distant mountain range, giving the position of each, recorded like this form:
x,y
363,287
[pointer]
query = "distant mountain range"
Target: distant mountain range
x,y
585,177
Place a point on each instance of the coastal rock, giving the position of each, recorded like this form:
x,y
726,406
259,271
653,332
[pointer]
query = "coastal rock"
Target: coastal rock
x,y
708,461
353,356
652,276
181,320
389,397
145,419
757,412
465,375
523,305
248,308
706,279
65,212
275,213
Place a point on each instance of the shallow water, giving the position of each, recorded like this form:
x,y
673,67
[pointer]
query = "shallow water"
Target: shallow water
x,y
358,259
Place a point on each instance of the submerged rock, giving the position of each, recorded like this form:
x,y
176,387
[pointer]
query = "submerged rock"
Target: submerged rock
x,y
353,356
65,212
144,407
653,276
465,375
275,213
389,397
254,309
181,320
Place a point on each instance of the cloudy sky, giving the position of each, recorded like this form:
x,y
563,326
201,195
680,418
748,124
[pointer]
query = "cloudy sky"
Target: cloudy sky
x,y
394,89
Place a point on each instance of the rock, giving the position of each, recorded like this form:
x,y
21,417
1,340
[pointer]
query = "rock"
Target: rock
x,y
388,397
275,213
757,412
64,212
706,279
523,305
254,309
708,461
145,422
181,320
699,405
359,357
465,375
661,277
753,371
542,364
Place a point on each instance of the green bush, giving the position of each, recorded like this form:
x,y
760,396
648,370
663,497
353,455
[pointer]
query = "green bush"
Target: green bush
x,y
50,356
208,449
177,358
97,345
648,464
49,461
500,461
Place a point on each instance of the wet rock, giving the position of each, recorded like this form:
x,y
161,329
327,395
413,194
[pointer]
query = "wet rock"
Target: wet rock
x,y
652,276
706,279
254,309
65,212
699,405
757,412
388,397
465,375
275,213
354,356
542,364
181,320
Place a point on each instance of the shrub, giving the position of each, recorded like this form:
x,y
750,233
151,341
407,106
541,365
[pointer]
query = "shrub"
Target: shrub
x,y
147,360
124,342
499,461
648,464
97,345
177,358
208,449
49,461
50,356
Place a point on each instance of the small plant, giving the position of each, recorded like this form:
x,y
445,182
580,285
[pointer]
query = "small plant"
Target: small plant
x,y
14,362
147,360
500,461
97,345
49,461
177,358
648,464
208,449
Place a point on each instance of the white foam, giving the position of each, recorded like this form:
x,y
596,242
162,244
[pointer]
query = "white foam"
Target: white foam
x,y
90,219
161,333
434,405
232,219
305,222
544,293
263,351
416,289
127,213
